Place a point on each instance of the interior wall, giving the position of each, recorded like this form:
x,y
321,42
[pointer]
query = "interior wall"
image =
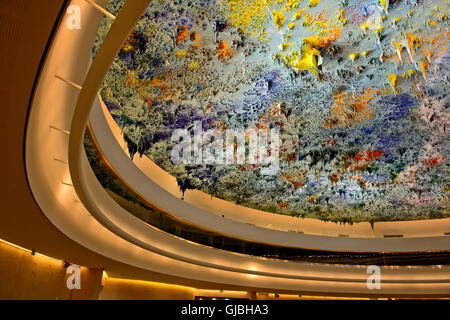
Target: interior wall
x,y
124,289
27,276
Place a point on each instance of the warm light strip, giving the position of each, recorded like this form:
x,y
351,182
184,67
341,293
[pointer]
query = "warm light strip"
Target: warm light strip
x,y
101,9
14,245
28,250
221,293
60,130
47,257
73,84
150,283
309,297
209,291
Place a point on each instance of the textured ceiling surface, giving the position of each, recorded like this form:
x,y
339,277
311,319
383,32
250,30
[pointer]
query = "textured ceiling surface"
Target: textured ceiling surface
x,y
358,91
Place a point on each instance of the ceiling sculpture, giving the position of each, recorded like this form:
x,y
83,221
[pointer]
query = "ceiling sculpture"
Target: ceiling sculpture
x,y
357,91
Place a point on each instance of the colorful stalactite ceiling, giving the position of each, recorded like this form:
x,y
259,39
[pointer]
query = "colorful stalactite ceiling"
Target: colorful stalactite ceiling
x,y
358,90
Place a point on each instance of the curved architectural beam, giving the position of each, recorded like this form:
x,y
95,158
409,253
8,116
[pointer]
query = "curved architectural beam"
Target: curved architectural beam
x,y
152,239
119,31
102,124
159,197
